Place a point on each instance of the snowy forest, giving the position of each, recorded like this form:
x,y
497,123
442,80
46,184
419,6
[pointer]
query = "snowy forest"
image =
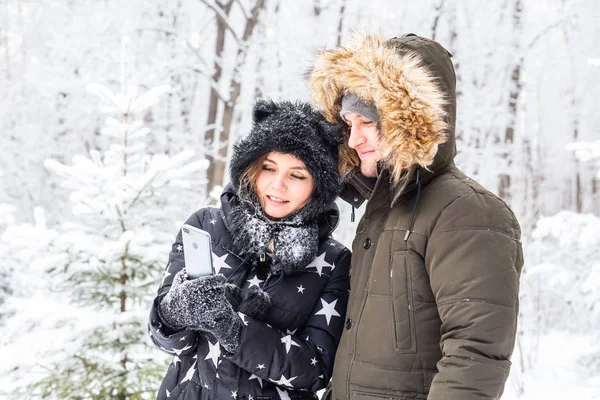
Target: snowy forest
x,y
117,120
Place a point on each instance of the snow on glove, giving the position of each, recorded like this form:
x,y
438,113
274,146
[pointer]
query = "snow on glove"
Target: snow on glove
x,y
186,301
201,304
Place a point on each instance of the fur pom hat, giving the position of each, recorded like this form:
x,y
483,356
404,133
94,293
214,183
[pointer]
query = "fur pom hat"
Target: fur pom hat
x,y
294,128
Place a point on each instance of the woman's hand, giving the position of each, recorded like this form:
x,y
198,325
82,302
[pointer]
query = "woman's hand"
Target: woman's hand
x,y
201,304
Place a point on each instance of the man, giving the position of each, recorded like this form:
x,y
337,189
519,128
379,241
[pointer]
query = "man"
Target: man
x,y
437,258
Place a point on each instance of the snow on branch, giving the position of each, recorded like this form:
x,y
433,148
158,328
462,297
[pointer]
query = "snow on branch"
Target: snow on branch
x,y
247,15
586,152
222,16
128,102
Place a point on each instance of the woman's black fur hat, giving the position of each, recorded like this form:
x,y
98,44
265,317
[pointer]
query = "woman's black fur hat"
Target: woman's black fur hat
x,y
294,128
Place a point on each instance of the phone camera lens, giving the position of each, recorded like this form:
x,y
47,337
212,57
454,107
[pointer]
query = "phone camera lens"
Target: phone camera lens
x,y
186,230
195,245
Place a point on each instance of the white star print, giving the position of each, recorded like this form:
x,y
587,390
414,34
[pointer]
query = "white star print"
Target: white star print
x,y
168,393
321,376
301,289
283,394
307,338
255,281
214,353
234,394
328,310
261,366
219,263
213,221
332,244
190,373
179,351
243,318
287,340
206,386
179,248
291,332
313,361
283,381
250,397
256,377
176,360
319,263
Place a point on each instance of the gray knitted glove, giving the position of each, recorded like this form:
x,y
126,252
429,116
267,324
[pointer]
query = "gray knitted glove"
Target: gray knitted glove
x,y
200,304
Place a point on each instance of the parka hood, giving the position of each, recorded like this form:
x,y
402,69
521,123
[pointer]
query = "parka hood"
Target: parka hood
x,y
411,82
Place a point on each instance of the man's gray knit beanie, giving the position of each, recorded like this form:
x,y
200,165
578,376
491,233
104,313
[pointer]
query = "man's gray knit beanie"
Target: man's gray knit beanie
x,y
351,104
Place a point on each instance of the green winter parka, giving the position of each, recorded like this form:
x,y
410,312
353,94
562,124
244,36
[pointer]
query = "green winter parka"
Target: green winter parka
x,y
436,260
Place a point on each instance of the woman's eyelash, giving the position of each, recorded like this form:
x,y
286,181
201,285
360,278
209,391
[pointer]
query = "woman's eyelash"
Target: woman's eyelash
x,y
271,169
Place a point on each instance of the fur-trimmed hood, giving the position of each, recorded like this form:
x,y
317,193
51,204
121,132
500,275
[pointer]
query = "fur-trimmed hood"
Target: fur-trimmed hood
x,y
411,82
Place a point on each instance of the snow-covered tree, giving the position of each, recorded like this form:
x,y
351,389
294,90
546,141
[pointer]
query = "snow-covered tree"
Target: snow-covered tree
x,y
103,265
559,314
588,152
560,293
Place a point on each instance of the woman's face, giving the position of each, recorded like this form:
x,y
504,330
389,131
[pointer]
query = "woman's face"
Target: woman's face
x,y
283,185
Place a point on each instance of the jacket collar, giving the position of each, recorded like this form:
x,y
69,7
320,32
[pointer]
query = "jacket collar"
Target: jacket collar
x,y
359,188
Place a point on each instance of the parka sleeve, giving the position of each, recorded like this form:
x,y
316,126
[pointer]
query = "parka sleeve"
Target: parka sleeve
x,y
474,260
301,360
175,343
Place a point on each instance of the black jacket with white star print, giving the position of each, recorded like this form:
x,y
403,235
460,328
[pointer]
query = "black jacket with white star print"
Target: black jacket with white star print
x,y
289,354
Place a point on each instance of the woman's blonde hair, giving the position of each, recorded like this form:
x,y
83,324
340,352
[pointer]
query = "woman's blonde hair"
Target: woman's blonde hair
x,y
248,178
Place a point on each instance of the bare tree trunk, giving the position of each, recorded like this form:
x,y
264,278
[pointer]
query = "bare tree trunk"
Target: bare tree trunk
x,y
576,196
595,196
577,179
341,23
317,8
260,78
436,20
278,56
216,171
515,91
213,107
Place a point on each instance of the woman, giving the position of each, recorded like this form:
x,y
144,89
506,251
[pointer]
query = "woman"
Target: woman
x,y
268,325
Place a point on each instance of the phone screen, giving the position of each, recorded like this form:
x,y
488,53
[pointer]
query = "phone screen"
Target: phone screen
x,y
197,251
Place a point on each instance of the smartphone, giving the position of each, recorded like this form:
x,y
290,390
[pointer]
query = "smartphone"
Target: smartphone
x,y
197,251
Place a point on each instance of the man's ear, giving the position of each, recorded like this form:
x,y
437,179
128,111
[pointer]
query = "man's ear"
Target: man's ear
x,y
262,109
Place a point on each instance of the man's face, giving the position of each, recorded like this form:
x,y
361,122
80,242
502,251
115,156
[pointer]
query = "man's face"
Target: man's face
x,y
365,139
